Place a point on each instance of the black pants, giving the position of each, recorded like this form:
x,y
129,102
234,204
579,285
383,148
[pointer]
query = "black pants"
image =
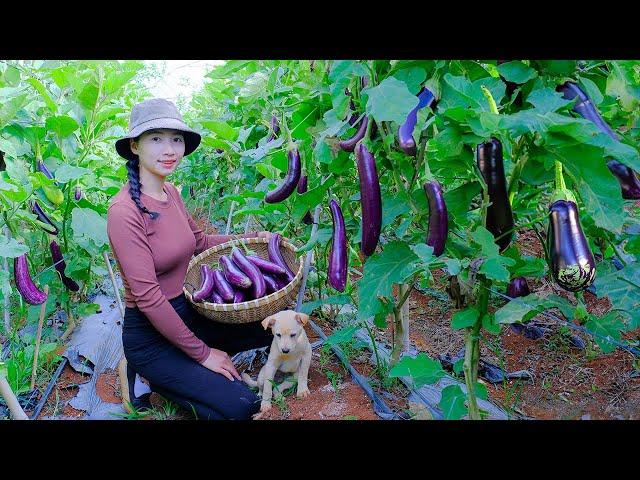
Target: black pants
x,y
179,378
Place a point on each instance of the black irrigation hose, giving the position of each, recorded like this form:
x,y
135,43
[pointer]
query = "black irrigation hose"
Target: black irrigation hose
x,y
46,393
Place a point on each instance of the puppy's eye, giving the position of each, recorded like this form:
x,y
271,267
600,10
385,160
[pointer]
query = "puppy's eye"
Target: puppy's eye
x,y
278,335
293,335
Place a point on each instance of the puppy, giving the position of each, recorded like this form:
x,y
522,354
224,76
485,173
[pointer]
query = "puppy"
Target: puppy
x,y
290,353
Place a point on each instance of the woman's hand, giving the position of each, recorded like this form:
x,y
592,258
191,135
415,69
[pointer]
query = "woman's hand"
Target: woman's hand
x,y
265,235
220,362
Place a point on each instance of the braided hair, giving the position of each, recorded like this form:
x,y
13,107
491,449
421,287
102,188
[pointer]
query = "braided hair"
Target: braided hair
x,y
133,172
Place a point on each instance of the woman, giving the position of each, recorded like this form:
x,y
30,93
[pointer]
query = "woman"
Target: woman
x,y
184,356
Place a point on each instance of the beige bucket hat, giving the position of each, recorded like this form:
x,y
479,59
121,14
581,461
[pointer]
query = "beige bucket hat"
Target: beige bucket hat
x,y
156,113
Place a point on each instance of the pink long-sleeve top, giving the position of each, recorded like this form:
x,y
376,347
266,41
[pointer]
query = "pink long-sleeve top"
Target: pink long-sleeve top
x,y
153,256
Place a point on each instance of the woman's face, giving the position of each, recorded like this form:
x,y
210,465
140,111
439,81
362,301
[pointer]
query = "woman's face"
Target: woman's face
x,y
159,151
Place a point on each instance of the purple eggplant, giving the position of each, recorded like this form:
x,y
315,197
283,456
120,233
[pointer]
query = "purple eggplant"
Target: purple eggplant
x,y
275,128
572,263
238,296
627,178
206,284
215,297
499,214
60,265
28,290
224,288
438,217
349,145
337,274
250,270
302,188
405,132
271,283
77,194
266,266
518,287
280,281
290,182
233,274
584,107
273,248
43,168
370,199
37,209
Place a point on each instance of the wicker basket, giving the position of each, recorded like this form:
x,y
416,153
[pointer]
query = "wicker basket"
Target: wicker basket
x,y
252,310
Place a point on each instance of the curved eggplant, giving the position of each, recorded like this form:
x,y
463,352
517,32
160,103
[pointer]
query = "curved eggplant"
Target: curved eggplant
x,y
224,289
78,193
270,282
337,274
37,209
43,168
233,274
206,284
572,263
438,217
215,297
499,214
29,291
349,145
266,266
290,182
405,132
518,287
275,256
60,265
250,270
302,188
627,178
370,199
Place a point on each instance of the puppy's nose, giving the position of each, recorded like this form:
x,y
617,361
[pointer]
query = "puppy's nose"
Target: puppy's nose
x,y
285,350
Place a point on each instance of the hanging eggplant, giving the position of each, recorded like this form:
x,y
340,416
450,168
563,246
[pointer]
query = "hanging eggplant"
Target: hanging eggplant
x,y
518,287
438,217
629,183
572,263
370,199
275,128
290,182
29,291
405,132
302,188
60,266
337,273
42,217
499,214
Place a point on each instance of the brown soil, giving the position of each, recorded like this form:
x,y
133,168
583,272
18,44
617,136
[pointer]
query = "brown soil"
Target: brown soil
x,y
65,389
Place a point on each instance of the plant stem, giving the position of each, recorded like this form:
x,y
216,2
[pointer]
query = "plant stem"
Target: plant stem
x,y
515,177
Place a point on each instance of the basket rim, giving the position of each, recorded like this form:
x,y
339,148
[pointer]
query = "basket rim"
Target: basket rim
x,y
250,304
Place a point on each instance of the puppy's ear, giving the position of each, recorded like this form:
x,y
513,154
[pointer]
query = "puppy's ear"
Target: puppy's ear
x,y
268,322
302,318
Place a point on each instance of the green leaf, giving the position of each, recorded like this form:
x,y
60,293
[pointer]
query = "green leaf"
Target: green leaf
x,y
481,391
5,285
459,91
62,125
452,403
422,369
89,96
494,265
521,309
622,287
592,90
608,326
394,205
413,77
547,100
465,318
342,335
424,253
35,83
309,307
221,129
390,101
517,72
87,309
525,266
391,266
632,246
89,230
490,325
67,172
459,199
11,248
453,266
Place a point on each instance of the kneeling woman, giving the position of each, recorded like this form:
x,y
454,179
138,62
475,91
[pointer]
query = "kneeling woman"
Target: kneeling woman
x,y
184,356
